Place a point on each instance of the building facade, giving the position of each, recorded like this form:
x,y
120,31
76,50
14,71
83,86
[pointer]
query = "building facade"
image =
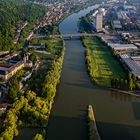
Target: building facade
x,y
99,22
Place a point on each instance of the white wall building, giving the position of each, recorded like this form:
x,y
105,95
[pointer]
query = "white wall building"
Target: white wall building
x,y
99,22
122,48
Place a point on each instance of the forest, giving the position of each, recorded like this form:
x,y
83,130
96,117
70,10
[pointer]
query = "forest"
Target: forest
x,y
12,12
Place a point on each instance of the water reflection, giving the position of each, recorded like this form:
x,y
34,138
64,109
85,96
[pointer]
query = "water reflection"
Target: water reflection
x,y
123,97
136,109
121,132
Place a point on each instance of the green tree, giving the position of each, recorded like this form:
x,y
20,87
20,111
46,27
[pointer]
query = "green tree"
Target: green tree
x,y
33,58
14,89
31,95
130,82
48,47
121,83
112,83
38,137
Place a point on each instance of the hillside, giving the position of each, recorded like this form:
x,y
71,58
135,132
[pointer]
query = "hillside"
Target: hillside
x,y
12,12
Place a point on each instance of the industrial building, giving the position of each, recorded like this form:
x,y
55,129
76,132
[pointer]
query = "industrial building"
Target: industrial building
x,y
131,65
122,48
117,24
8,70
11,66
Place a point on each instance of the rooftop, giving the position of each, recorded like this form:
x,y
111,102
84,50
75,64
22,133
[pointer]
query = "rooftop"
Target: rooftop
x,y
117,46
132,65
117,24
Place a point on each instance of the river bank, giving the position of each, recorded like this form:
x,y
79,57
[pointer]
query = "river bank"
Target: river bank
x,y
92,128
41,92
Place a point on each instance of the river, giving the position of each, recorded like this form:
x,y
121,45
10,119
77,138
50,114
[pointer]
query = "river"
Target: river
x,y
117,115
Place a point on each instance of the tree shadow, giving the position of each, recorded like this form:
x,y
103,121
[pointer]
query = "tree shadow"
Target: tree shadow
x,y
111,131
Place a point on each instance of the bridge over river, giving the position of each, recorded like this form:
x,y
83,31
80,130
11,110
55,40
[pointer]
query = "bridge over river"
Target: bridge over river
x,y
70,36
76,35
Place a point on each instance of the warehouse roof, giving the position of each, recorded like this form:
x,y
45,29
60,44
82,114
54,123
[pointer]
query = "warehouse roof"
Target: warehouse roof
x,y
131,64
117,46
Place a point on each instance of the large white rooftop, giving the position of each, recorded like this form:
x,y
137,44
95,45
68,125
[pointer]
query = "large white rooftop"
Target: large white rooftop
x,y
131,64
117,46
117,24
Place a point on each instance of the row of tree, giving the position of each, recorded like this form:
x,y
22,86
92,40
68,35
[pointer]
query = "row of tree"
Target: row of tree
x,y
89,63
120,84
52,78
38,137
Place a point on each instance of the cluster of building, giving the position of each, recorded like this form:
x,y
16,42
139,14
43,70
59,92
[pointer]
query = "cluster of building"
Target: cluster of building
x,y
21,26
128,25
122,48
54,13
120,21
121,15
128,55
10,65
124,14
132,64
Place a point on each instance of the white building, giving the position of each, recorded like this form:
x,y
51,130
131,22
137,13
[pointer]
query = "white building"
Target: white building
x,y
131,65
99,22
117,24
122,48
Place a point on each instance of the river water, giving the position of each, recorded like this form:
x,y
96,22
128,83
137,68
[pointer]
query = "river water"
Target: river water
x,y
117,115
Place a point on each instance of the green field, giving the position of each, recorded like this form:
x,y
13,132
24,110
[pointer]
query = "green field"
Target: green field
x,y
102,65
53,46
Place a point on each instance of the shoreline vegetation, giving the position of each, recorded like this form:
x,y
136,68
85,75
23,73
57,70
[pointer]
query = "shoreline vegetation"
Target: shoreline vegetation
x,y
92,128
